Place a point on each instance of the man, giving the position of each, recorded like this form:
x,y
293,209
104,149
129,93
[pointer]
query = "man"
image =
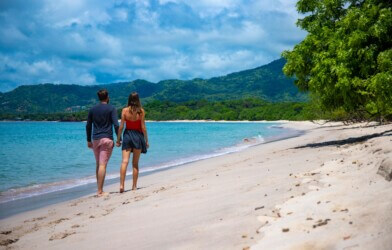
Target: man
x,y
102,117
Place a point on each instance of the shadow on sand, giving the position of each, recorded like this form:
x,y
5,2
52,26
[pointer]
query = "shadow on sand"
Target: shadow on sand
x,y
350,140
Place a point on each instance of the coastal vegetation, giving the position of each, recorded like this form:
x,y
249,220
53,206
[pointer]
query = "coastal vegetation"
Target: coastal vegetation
x,y
246,109
251,109
345,61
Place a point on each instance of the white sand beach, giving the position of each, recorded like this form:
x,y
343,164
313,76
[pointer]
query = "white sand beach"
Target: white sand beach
x,y
320,190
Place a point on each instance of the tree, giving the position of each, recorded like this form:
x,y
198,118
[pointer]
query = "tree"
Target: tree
x,y
345,61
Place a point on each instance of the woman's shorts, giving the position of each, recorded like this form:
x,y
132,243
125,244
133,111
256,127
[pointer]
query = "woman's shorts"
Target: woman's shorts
x,y
133,139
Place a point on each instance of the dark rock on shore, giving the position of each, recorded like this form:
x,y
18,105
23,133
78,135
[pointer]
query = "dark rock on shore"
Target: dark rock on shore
x,y
385,169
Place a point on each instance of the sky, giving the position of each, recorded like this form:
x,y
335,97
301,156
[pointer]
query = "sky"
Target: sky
x,y
90,42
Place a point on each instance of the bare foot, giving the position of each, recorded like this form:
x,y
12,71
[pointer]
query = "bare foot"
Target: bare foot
x,y
134,188
121,190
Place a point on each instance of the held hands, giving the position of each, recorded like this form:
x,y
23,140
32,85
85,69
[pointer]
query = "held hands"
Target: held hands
x,y
89,144
118,143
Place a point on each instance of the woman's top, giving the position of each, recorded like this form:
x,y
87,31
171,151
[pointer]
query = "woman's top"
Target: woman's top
x,y
134,125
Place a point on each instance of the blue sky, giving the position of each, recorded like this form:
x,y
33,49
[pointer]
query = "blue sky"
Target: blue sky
x,y
92,42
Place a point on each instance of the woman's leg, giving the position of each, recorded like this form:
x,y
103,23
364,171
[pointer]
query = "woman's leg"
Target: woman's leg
x,y
135,167
123,169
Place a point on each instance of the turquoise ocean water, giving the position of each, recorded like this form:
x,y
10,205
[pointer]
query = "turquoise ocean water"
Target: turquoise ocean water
x,y
39,158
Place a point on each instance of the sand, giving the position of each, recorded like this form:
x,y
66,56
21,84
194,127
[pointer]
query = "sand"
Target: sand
x,y
320,190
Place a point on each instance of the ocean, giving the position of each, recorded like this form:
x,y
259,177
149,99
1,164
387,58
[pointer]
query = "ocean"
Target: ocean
x,y
42,163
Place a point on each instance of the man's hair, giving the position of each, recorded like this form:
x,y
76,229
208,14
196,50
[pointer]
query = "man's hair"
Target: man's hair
x,y
103,94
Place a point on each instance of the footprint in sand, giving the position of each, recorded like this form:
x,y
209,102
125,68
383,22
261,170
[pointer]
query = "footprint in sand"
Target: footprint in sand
x,y
60,236
8,242
159,190
6,232
108,211
35,219
34,228
75,226
58,221
320,223
140,197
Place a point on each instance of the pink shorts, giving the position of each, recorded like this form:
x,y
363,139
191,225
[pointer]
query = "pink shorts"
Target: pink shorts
x,y
103,150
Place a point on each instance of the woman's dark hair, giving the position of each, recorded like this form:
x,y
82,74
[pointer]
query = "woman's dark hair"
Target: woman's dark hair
x,y
134,104
102,94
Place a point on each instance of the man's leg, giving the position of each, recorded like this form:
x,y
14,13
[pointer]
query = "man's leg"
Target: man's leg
x,y
101,178
96,170
106,149
96,150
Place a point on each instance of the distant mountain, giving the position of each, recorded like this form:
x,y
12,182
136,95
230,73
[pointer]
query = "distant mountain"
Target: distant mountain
x,y
267,82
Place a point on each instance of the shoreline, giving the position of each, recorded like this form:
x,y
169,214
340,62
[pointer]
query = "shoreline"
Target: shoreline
x,y
66,191
319,190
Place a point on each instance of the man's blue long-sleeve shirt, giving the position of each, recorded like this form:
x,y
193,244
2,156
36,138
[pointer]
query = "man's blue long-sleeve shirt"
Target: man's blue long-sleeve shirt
x,y
101,118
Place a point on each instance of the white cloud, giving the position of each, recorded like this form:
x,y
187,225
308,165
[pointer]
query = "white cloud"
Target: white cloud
x,y
11,34
168,1
121,14
43,72
211,8
40,67
63,13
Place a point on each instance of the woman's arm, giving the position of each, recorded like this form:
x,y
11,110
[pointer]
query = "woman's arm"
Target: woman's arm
x,y
120,129
144,129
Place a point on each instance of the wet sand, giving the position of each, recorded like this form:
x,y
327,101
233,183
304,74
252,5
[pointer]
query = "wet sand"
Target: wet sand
x,y
320,190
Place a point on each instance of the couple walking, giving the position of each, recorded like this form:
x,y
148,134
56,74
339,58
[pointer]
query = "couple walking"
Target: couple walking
x,y
99,129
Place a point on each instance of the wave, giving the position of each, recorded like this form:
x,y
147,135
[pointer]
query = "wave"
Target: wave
x,y
276,126
44,188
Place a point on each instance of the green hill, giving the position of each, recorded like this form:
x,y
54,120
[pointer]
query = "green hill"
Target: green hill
x,y
266,82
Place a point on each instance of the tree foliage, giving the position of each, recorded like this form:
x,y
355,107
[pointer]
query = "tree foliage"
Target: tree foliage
x,y
345,61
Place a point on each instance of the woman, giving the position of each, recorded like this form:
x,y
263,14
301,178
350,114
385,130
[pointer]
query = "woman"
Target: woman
x,y
135,138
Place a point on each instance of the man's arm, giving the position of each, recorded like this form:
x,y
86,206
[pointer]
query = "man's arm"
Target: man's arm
x,y
115,121
89,128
